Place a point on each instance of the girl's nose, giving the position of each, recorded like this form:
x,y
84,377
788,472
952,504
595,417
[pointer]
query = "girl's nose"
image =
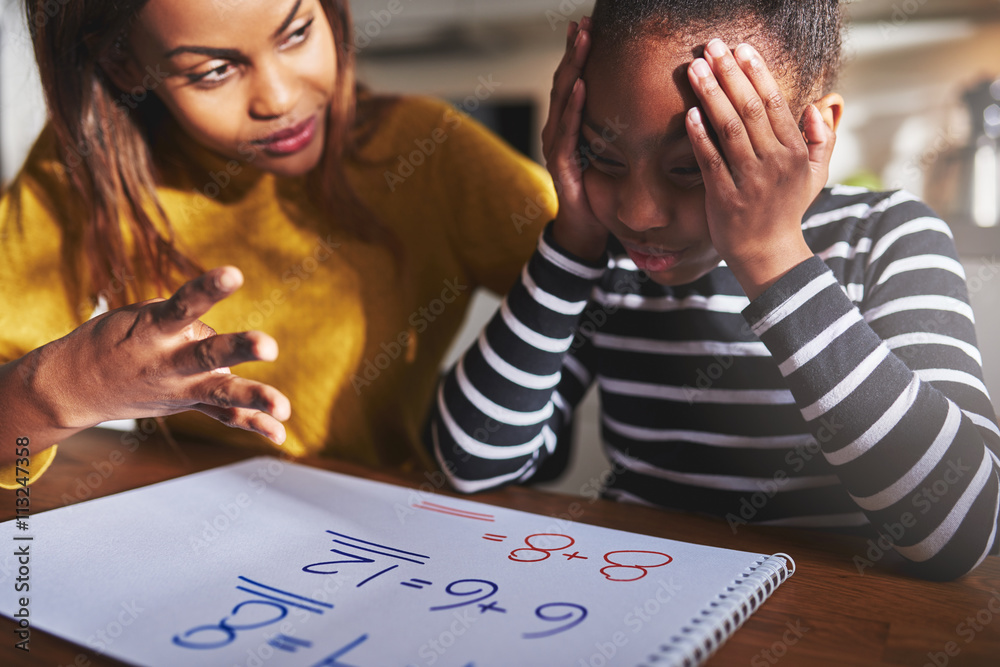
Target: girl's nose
x,y
638,206
273,94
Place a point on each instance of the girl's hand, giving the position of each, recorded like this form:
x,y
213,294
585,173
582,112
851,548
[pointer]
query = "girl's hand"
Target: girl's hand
x,y
576,227
766,176
157,358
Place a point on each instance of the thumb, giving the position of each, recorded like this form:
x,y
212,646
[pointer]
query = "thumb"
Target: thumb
x,y
820,140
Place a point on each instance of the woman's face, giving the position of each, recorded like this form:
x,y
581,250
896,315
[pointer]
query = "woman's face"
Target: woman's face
x,y
251,80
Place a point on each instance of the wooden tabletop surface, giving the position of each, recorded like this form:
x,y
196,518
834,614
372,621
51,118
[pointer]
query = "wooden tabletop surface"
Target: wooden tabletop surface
x,y
826,614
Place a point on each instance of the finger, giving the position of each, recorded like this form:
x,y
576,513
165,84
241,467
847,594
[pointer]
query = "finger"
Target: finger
x,y
743,95
233,391
566,164
781,120
569,70
248,420
217,352
549,130
820,140
571,31
195,298
713,166
718,111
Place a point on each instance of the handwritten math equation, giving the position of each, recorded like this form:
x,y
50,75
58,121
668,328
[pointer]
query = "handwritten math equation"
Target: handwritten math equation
x,y
370,564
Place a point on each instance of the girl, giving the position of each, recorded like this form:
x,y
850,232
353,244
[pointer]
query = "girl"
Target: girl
x,y
765,349
189,134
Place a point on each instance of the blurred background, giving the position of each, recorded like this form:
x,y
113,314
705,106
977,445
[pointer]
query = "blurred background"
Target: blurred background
x,y
921,81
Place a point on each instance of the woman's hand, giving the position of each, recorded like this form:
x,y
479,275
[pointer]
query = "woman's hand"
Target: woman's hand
x,y
766,175
576,227
157,358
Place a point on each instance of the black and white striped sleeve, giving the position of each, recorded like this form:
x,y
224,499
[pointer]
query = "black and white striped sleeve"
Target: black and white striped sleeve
x,y
499,412
893,389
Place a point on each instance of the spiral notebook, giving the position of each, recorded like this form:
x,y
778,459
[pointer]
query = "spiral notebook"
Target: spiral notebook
x,y
267,562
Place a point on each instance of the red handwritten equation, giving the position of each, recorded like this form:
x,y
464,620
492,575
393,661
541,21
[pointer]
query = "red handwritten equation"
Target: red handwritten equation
x,y
623,565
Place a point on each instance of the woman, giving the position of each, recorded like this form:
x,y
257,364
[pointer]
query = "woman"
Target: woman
x,y
188,135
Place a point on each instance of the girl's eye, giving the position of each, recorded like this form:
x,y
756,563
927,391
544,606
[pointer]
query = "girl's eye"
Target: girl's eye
x,y
299,35
686,177
215,75
587,152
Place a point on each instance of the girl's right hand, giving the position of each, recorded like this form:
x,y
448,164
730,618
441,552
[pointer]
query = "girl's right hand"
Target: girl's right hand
x,y
576,227
157,358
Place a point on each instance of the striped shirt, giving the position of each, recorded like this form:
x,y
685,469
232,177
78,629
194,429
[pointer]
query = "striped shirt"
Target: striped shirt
x,y
850,394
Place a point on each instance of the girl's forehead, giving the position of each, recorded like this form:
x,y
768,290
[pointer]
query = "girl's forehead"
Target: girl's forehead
x,y
655,71
638,77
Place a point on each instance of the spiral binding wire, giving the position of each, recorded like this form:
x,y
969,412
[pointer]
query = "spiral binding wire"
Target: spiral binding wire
x,y
706,632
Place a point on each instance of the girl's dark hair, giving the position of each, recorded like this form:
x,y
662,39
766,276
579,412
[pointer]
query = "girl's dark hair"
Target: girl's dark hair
x,y
107,155
800,38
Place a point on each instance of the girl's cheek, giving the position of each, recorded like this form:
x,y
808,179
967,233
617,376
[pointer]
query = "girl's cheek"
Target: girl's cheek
x,y
600,193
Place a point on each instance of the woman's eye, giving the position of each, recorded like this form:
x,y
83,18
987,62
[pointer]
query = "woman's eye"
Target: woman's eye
x,y
686,171
214,75
299,35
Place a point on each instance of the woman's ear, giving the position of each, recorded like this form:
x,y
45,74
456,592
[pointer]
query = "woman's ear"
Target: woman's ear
x,y
831,107
121,71
119,65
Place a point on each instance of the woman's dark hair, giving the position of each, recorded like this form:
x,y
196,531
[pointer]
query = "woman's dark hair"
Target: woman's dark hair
x,y
107,155
798,38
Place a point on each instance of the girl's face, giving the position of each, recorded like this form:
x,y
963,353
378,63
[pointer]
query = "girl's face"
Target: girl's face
x,y
643,182
249,79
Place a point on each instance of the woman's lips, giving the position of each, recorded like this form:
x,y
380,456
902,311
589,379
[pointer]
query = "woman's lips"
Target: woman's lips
x,y
290,140
654,261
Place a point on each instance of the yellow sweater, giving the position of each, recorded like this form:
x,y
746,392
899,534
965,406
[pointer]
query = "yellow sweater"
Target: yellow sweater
x,y
360,348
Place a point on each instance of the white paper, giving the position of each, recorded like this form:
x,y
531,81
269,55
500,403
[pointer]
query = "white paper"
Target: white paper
x,y
266,562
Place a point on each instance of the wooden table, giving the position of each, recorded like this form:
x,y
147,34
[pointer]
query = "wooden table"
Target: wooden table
x,y
840,617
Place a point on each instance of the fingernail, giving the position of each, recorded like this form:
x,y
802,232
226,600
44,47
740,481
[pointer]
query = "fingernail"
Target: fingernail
x,y
226,281
695,115
576,42
746,53
717,48
701,68
267,350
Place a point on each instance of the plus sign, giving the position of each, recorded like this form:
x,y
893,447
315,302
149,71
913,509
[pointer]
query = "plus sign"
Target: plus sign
x,y
483,608
575,554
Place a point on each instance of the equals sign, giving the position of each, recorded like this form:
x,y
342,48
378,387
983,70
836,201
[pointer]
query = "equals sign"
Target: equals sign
x,y
494,538
420,583
290,644
284,597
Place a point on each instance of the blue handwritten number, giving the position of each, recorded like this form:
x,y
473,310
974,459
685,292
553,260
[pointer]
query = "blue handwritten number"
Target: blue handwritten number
x,y
540,613
450,590
351,559
332,660
228,629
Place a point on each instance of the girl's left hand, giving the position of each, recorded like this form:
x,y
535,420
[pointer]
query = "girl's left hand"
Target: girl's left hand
x,y
766,175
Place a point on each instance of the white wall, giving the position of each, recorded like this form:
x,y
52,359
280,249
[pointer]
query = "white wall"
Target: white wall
x,y
22,109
